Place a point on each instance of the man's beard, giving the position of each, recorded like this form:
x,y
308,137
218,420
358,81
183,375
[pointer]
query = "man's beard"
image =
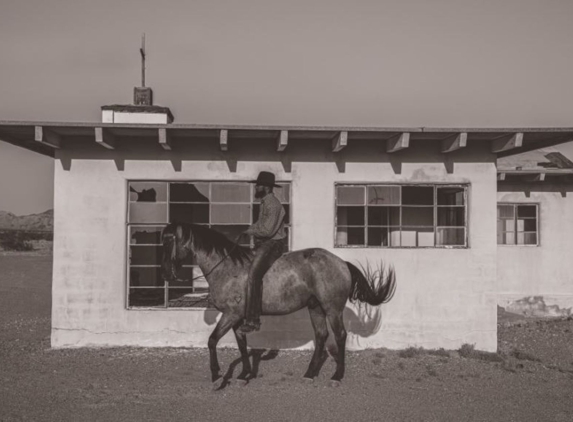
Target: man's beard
x,y
260,194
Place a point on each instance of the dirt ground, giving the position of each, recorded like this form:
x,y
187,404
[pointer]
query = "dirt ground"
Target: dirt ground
x,y
530,379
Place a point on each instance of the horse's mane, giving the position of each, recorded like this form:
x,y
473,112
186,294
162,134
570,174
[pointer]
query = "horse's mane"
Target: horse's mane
x,y
209,241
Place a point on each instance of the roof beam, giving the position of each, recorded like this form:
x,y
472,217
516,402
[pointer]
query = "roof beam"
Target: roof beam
x,y
398,142
339,141
501,177
223,139
535,177
47,137
164,139
104,138
282,140
507,142
455,142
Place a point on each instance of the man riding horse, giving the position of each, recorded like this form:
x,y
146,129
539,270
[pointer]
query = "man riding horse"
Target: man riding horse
x,y
270,243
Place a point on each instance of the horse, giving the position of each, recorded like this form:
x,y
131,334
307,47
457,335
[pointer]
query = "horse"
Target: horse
x,y
313,278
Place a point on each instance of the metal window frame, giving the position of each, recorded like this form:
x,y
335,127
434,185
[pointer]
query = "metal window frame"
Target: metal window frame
x,y
515,205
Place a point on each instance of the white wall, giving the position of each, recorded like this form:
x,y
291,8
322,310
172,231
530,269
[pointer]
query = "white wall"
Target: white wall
x,y
444,297
539,279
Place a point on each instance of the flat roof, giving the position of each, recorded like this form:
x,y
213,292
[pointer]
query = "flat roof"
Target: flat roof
x,y
505,141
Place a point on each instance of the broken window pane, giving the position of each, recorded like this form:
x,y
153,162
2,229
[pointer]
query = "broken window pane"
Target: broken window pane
x,y
417,195
350,195
146,235
189,192
450,196
148,192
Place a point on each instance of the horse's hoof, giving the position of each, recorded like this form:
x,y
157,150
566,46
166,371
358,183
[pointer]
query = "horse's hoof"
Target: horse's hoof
x,y
218,383
307,380
241,383
334,383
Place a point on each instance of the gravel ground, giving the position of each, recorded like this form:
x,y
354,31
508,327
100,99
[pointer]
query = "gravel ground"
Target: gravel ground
x,y
531,379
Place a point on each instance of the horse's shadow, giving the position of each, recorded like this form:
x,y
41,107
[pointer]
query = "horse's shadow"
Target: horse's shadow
x,y
277,333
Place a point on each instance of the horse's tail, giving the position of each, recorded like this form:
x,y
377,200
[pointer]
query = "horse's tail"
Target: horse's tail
x,y
372,287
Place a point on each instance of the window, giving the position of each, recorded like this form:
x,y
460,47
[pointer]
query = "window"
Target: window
x,y
401,215
517,224
228,207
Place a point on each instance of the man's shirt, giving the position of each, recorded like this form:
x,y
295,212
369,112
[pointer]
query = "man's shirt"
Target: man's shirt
x,y
271,222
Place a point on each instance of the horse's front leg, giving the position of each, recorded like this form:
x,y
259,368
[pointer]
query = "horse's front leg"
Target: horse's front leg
x,y
242,343
223,326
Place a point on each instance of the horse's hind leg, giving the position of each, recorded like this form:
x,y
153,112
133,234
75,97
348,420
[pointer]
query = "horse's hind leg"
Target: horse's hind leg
x,y
223,326
337,325
318,319
242,343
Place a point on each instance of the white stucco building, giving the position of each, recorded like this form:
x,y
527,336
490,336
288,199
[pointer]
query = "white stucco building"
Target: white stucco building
x,y
425,200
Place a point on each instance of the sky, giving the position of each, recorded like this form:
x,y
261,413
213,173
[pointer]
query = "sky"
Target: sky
x,y
457,63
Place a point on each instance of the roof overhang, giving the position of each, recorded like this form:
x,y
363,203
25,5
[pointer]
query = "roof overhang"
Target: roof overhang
x,y
46,137
535,175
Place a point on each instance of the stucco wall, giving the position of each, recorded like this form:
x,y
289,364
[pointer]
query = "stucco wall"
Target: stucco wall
x,y
444,297
539,279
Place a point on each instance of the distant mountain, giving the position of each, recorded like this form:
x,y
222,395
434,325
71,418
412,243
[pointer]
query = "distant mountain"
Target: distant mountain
x,y
43,221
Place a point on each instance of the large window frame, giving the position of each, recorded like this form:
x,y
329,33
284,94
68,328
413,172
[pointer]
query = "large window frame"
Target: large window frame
x,y
395,208
164,204
512,222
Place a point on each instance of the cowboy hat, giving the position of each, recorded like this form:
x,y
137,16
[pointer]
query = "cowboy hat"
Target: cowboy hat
x,y
266,178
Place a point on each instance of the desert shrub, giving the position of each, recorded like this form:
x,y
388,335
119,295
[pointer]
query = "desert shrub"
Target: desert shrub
x,y
439,352
15,241
411,352
468,351
521,355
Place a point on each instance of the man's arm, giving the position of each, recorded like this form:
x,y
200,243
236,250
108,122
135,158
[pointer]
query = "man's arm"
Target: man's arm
x,y
268,222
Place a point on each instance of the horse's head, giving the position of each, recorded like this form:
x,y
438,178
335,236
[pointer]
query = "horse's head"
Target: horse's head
x,y
176,247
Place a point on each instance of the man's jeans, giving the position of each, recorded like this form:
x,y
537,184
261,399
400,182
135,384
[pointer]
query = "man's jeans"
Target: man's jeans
x,y
265,255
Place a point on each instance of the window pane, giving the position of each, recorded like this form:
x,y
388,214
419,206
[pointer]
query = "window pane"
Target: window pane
x,y
350,195
450,237
350,236
145,212
417,195
189,192
283,194
450,196
527,238
378,236
147,297
148,191
526,211
150,235
350,216
189,213
505,211
451,216
509,225
230,213
257,207
418,216
145,276
387,195
509,238
146,255
416,236
232,232
383,216
231,192
527,225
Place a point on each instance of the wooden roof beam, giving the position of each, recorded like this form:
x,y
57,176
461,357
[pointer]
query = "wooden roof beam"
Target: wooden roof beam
x,y
455,142
398,142
224,139
104,138
164,139
507,142
282,140
47,137
339,141
535,177
501,177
